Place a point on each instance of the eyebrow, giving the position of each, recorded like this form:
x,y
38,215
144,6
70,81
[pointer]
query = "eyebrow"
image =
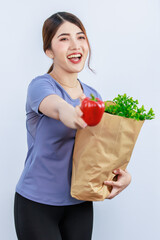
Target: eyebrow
x,y
67,34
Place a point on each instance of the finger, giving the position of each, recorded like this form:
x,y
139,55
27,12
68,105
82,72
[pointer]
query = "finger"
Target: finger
x,y
112,183
81,123
78,126
79,111
113,193
82,96
118,171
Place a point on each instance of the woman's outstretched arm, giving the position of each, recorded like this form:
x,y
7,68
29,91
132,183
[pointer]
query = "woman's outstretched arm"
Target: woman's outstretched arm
x,y
55,107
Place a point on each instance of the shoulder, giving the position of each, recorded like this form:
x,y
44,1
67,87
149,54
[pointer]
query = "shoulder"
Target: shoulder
x,y
42,83
41,79
41,86
89,90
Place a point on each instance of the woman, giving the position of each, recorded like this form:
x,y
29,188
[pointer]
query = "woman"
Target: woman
x,y
44,208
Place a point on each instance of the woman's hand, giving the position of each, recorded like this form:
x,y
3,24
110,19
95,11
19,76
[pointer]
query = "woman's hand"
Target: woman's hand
x,y
72,116
123,180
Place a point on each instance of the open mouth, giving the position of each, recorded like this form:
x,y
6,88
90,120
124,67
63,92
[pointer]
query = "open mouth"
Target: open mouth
x,y
75,58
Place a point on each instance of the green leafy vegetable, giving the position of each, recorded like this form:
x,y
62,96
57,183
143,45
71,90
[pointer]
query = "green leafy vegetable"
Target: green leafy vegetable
x,y
127,107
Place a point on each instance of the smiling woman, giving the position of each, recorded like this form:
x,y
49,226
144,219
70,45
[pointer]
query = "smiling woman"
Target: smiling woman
x,y
44,207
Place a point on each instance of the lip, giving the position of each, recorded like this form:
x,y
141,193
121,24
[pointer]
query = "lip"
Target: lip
x,y
75,62
75,53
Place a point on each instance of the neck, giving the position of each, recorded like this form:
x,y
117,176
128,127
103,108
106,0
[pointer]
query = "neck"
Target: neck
x,y
68,79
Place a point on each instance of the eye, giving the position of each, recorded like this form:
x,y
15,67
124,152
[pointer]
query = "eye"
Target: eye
x,y
82,37
62,39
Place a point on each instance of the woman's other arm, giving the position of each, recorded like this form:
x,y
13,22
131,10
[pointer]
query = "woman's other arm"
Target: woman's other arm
x,y
123,180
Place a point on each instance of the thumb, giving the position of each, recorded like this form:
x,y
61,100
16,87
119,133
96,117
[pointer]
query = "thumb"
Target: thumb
x,y
82,97
118,171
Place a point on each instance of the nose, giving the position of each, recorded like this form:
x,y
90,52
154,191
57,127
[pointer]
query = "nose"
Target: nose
x,y
74,44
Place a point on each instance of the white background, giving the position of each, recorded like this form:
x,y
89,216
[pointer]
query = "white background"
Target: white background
x,y
125,42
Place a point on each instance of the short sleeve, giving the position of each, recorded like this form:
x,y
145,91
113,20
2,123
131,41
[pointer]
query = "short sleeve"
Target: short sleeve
x,y
38,89
90,90
99,96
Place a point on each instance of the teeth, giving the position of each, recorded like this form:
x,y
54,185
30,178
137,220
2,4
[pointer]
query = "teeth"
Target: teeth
x,y
75,56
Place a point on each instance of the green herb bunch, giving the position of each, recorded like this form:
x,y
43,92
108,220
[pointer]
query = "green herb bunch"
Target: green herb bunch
x,y
127,107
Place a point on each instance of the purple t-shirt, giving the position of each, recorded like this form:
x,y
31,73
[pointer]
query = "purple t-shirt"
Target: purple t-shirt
x,y
46,177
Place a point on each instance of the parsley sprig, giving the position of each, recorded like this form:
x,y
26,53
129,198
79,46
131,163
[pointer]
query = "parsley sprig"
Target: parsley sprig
x,y
127,107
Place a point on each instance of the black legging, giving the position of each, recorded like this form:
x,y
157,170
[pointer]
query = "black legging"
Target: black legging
x,y
36,221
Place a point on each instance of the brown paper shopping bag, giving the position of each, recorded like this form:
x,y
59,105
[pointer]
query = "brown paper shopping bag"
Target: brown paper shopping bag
x,y
98,151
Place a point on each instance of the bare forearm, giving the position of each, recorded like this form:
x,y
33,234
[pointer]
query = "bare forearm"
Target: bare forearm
x,y
51,105
55,107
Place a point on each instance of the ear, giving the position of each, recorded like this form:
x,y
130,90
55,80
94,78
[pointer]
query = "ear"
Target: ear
x,y
49,53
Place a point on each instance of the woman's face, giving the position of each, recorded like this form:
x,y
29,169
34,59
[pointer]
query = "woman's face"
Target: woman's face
x,y
69,39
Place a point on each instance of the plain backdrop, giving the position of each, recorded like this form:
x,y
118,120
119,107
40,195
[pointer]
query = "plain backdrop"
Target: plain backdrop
x,y
125,42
